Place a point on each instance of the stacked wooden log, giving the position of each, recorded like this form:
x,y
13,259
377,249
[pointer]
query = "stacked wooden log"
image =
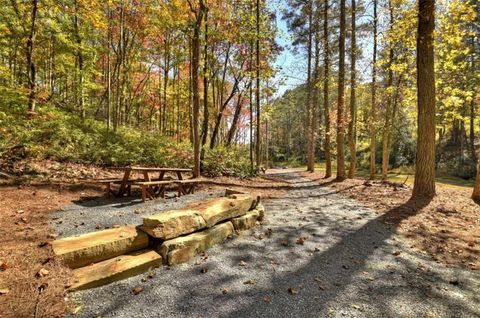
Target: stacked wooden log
x,y
171,237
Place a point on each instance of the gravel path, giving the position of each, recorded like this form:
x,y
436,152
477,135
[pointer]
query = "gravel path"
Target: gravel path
x,y
350,265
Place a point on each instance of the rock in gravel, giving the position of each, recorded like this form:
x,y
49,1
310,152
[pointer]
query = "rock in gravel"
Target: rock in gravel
x,y
171,224
246,221
78,251
182,249
217,210
232,193
115,269
229,192
197,216
261,212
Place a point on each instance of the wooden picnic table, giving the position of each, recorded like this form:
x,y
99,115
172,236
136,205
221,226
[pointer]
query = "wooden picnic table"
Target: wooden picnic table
x,y
146,172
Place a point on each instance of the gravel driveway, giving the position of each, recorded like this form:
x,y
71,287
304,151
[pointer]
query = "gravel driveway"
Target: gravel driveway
x,y
317,255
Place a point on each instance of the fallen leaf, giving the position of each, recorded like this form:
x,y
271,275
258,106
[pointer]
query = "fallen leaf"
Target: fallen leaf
x,y
3,266
300,241
42,273
242,263
137,290
151,275
396,253
292,291
76,310
250,282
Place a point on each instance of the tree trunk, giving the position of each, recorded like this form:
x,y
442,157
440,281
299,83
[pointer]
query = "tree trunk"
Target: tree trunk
x,y
80,62
476,189
326,87
257,87
109,71
310,159
251,109
236,116
424,186
472,130
387,128
166,70
196,92
190,93
32,86
315,91
353,107
218,119
373,115
205,92
341,97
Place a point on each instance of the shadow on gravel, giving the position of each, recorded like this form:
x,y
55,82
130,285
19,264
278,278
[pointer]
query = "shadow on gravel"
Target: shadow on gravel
x,y
94,202
338,275
354,273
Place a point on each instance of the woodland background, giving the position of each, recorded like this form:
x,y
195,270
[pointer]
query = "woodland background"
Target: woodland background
x,y
111,83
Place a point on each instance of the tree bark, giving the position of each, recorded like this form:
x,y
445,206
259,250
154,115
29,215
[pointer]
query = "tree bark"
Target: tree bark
x,y
310,158
373,115
80,62
238,110
251,110
353,107
205,92
387,128
476,189
32,86
195,87
341,97
326,87
424,185
109,71
218,119
257,88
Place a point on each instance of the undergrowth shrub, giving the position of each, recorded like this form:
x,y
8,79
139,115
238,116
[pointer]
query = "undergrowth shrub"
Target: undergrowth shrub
x,y
225,161
61,136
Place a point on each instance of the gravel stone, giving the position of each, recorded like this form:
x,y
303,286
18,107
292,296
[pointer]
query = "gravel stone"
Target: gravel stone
x,y
346,266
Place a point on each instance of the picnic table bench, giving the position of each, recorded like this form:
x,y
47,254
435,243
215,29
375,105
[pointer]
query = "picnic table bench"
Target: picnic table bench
x,y
151,187
185,187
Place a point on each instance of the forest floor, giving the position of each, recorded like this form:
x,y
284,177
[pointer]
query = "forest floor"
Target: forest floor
x,y
446,228
444,231
26,209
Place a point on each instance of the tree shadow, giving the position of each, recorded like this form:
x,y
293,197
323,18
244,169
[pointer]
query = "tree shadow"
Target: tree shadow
x,y
339,277
356,273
